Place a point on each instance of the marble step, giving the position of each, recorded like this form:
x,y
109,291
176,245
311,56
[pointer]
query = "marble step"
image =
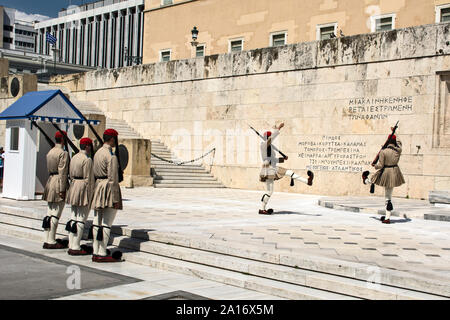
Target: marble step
x,y
30,219
192,185
185,181
185,178
298,279
237,279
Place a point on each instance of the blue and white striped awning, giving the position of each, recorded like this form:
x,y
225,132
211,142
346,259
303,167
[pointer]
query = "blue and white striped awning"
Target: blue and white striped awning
x,y
46,106
63,120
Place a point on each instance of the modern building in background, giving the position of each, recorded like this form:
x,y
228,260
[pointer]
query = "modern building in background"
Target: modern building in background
x,y
103,34
16,34
236,25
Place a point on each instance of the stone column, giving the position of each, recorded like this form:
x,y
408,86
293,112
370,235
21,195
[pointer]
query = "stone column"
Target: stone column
x,y
100,42
109,40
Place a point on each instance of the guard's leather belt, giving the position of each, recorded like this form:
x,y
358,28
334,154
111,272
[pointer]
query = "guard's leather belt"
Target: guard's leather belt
x,y
78,178
391,166
101,178
53,173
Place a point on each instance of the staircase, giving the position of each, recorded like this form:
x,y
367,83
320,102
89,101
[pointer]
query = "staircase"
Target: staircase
x,y
246,266
169,175
166,175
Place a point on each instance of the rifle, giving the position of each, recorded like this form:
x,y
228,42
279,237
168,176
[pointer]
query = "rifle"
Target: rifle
x,y
66,140
49,140
99,139
117,153
275,148
385,145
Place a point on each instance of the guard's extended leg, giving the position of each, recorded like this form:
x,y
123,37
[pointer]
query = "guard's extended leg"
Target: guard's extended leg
x,y
389,207
294,176
53,214
266,197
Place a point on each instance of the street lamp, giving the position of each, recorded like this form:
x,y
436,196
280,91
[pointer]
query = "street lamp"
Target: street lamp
x,y
194,41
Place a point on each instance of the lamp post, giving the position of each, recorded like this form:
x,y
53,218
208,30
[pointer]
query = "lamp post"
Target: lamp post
x,y
194,33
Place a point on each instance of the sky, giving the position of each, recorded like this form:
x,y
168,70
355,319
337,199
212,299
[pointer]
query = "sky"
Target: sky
x,y
34,8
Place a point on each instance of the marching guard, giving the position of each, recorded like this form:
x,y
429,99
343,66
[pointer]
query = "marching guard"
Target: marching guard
x,y
388,173
107,197
79,197
55,191
270,172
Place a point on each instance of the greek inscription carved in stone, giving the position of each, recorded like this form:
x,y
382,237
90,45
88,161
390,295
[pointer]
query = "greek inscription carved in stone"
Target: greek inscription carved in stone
x,y
334,153
378,108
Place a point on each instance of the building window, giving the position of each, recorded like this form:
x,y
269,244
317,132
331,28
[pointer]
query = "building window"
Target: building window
x,y
443,13
166,2
278,39
236,45
14,139
165,55
326,31
7,28
382,23
200,50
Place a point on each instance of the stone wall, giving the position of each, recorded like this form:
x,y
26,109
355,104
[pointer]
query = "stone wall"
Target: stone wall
x,y
338,99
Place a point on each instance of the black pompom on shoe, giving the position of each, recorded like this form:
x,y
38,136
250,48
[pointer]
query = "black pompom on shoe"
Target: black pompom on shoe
x,y
88,249
117,255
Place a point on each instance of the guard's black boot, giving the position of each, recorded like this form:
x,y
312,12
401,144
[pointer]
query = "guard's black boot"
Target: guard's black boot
x,y
310,178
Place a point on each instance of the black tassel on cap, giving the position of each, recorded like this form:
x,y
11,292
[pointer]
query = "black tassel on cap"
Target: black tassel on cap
x,y
372,188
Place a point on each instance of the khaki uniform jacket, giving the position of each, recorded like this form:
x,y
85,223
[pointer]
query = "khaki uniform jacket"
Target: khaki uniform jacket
x,y
58,167
82,183
269,168
389,177
106,173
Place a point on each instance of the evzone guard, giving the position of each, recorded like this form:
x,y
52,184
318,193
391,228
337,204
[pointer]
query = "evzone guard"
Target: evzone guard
x,y
107,197
270,172
79,197
388,174
55,191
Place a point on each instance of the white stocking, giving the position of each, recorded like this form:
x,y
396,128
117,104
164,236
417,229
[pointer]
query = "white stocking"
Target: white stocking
x,y
81,214
73,217
55,209
266,197
291,174
98,219
109,215
388,196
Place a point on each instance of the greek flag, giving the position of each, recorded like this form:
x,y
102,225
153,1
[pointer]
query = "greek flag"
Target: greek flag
x,y
50,38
